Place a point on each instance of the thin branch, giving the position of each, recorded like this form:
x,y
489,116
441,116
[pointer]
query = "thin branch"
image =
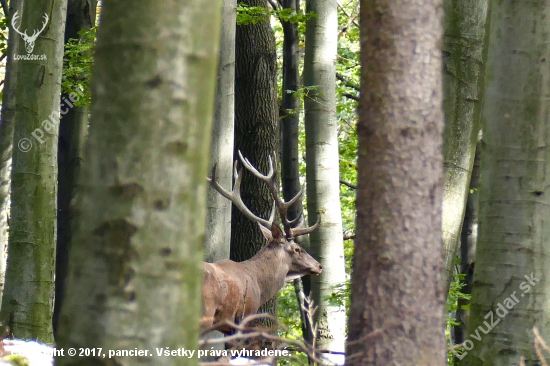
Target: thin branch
x,y
351,96
349,237
243,332
5,7
346,13
348,184
346,82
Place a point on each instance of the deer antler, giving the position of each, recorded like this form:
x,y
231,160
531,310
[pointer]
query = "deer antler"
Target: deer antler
x,y
271,179
235,196
293,228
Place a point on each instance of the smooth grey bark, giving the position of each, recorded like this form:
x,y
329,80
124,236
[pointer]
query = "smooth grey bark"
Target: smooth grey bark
x,y
218,214
397,285
32,232
135,268
463,64
81,15
7,124
468,240
218,209
322,169
511,271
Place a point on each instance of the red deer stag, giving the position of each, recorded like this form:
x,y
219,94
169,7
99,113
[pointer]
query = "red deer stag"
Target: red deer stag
x,y
232,290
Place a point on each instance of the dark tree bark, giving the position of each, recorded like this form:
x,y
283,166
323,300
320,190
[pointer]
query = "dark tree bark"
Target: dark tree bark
x,y
72,131
397,299
290,164
256,130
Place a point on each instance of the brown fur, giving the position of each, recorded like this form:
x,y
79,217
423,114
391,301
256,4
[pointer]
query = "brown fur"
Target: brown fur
x,y
233,290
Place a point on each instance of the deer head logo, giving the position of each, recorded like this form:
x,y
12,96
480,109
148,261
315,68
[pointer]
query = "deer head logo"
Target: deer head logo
x,y
29,40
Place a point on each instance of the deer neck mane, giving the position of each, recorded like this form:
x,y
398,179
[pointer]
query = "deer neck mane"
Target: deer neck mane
x,y
270,269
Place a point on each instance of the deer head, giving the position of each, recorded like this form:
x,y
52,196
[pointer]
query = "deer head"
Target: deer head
x,y
300,263
29,40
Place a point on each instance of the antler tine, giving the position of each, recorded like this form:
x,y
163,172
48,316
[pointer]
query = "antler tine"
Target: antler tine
x,y
271,179
305,230
267,177
235,196
296,198
297,222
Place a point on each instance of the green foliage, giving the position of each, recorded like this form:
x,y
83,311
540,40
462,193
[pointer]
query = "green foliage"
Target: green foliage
x,y
455,294
340,295
289,316
4,29
77,65
247,15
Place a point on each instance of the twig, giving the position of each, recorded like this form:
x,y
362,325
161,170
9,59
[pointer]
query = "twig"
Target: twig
x,y
540,342
349,237
348,184
346,82
351,96
346,13
243,332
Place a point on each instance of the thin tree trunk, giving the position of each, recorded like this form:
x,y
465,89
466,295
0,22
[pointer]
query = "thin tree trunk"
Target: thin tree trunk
x,y
290,164
256,131
31,260
218,214
464,55
72,132
322,170
7,124
135,265
468,239
397,299
510,294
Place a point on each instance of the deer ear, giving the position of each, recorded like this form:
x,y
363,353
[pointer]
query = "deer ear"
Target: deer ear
x,y
266,232
276,232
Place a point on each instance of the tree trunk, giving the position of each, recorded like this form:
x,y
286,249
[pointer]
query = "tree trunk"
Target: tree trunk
x,y
510,293
290,163
397,299
256,131
31,261
464,56
322,170
218,209
72,132
135,265
7,124
218,214
468,239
